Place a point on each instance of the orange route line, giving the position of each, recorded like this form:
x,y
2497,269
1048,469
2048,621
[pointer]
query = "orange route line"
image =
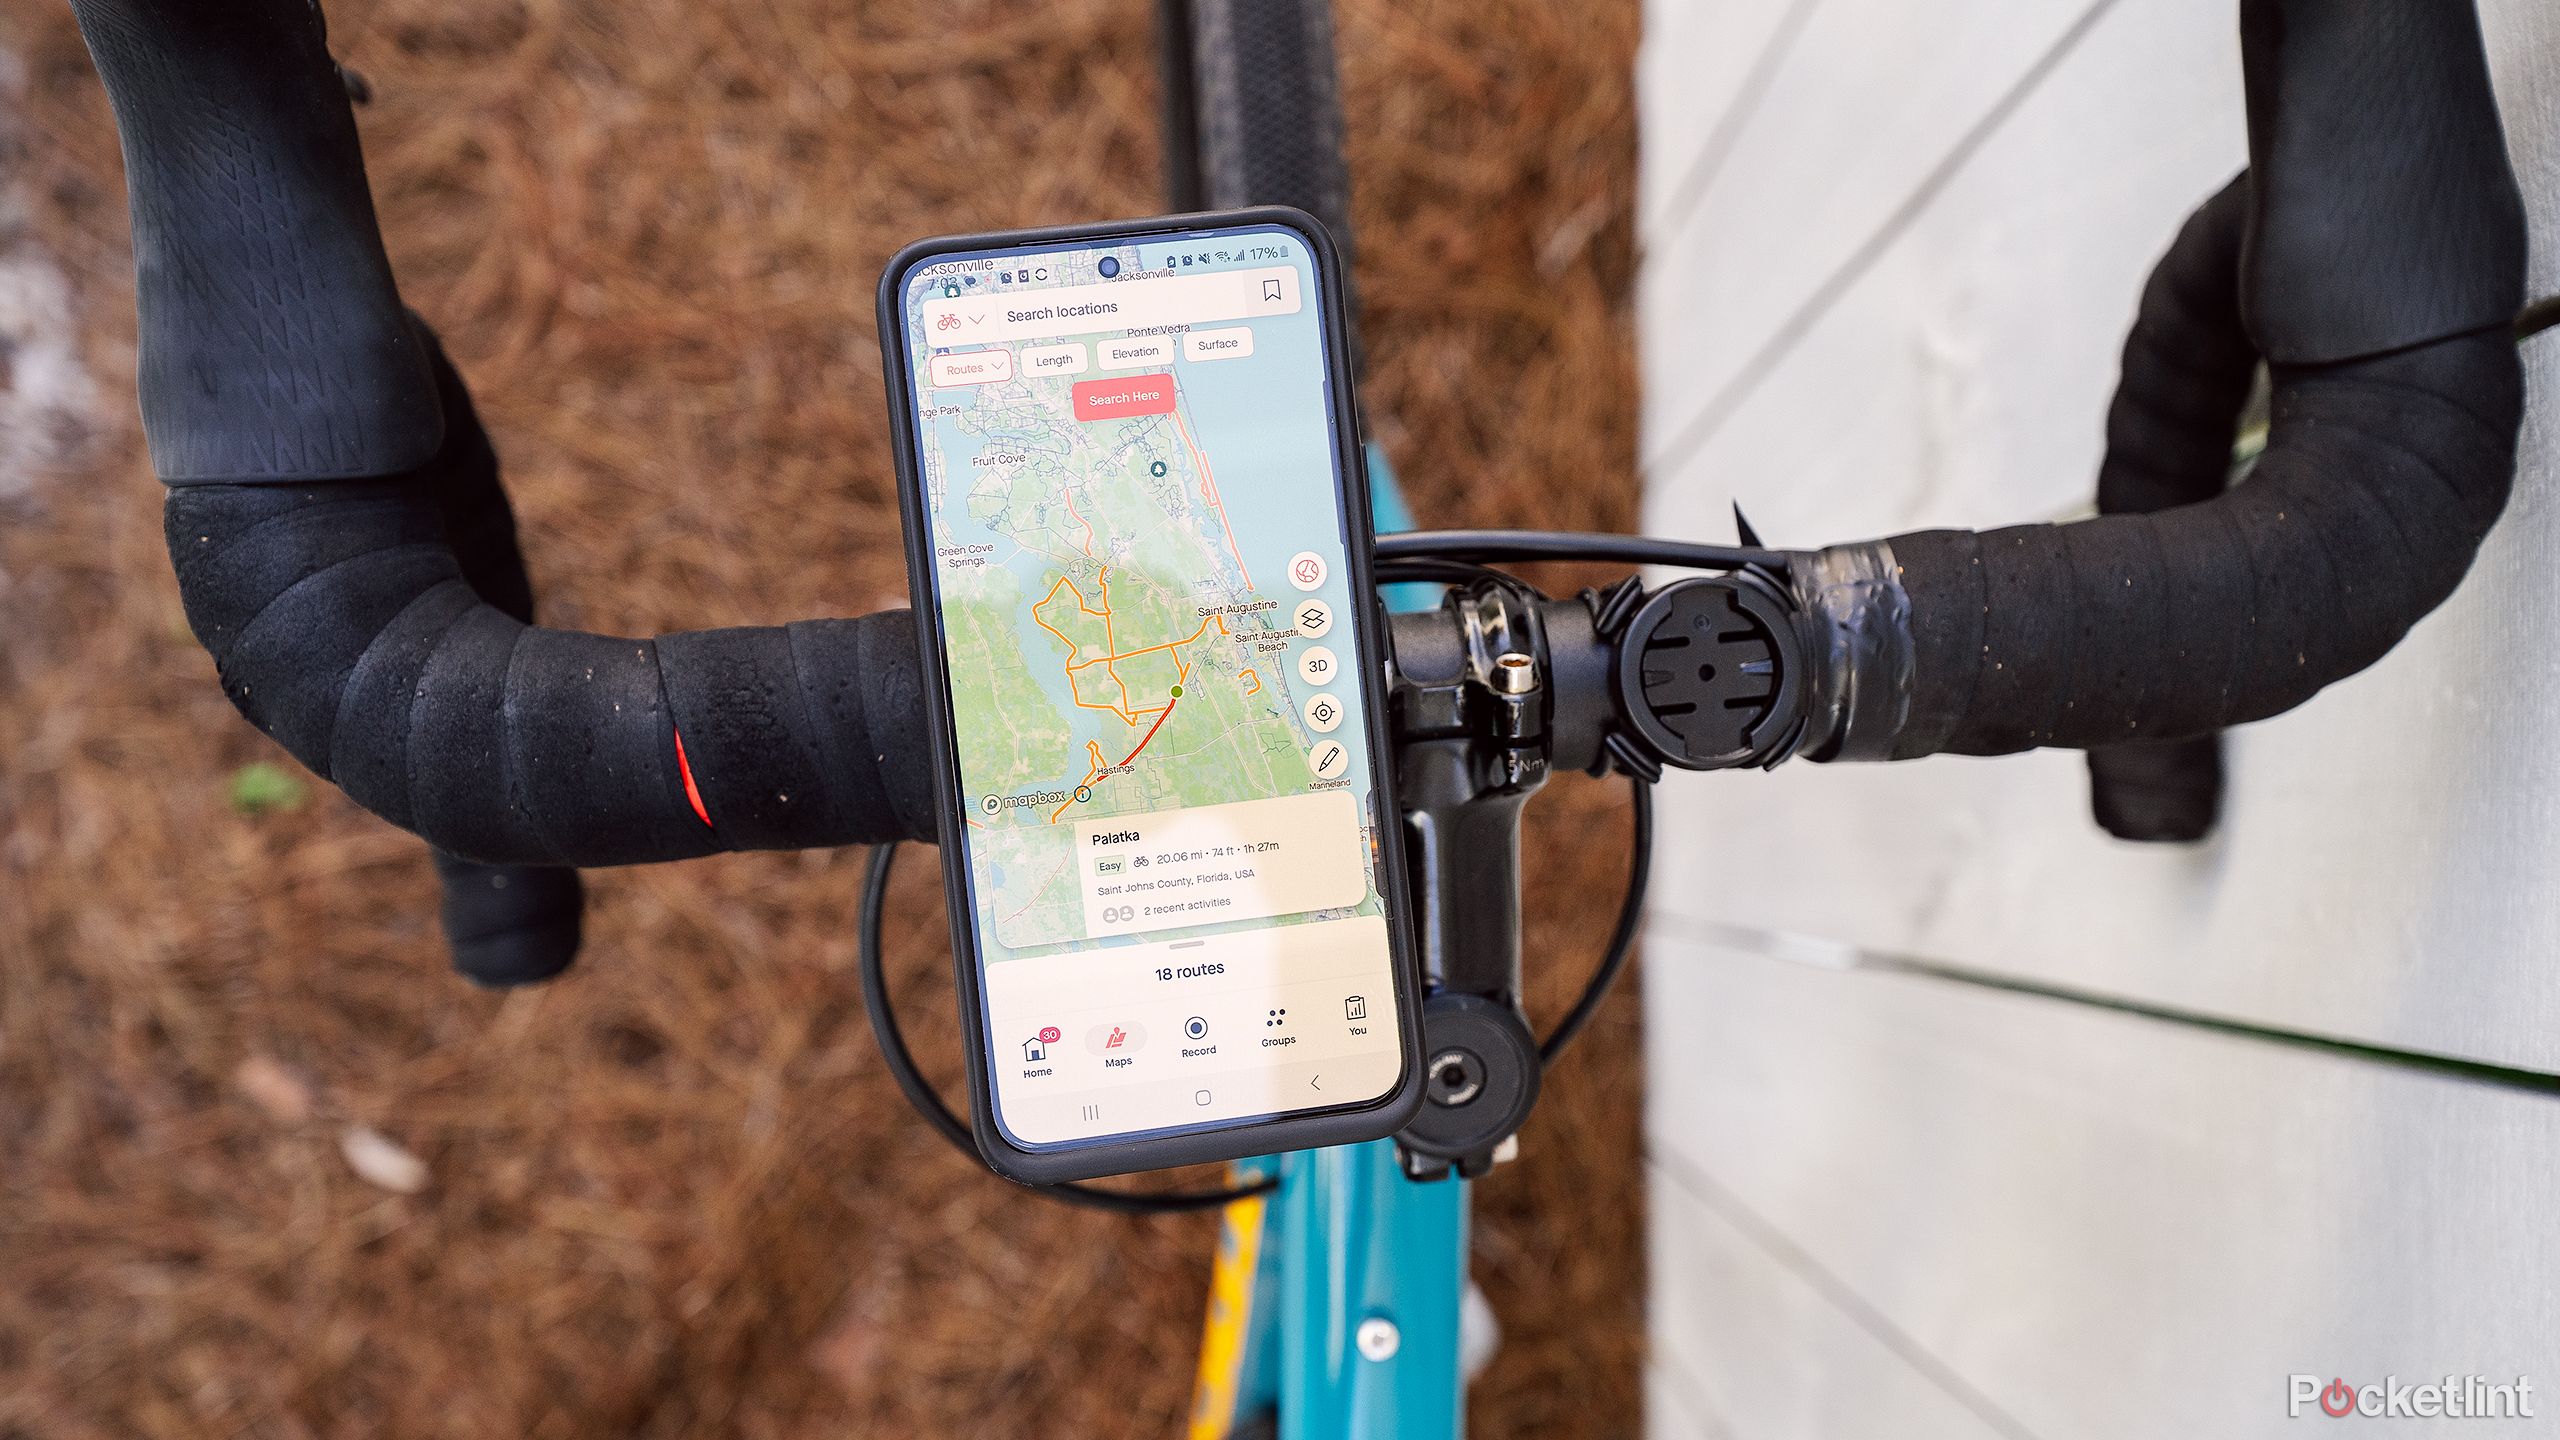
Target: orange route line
x,y
1093,770
1109,642
1069,586
1219,620
1070,498
1094,774
1128,714
1110,635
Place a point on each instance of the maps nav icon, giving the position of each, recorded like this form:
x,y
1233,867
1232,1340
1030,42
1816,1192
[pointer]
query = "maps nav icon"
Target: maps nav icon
x,y
1130,395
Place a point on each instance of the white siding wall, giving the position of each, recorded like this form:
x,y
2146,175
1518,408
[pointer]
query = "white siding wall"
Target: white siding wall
x,y
1891,252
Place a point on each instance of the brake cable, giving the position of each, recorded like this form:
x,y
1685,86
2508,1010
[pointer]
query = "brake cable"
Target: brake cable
x,y
921,1094
1622,939
1482,545
1453,556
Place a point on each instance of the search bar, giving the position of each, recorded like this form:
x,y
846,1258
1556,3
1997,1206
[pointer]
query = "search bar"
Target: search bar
x,y
1122,305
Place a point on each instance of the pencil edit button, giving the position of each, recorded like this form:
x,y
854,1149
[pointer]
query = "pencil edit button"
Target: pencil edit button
x,y
1233,343
1130,354
973,367
1120,398
1054,360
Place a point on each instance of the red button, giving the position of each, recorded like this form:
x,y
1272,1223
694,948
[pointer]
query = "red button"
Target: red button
x,y
1128,395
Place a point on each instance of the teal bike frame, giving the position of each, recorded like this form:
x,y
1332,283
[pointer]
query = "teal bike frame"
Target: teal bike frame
x,y
1336,1300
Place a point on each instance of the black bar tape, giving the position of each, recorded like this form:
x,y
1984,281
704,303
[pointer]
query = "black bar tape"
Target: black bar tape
x,y
2379,480
2386,211
509,924
503,924
342,624
2159,791
2188,363
344,547
2390,454
273,345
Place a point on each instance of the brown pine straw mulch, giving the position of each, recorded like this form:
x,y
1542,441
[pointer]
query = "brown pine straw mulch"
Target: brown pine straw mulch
x,y
676,1194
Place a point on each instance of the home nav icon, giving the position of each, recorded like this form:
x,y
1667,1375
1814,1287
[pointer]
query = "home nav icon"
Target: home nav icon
x,y
1034,1051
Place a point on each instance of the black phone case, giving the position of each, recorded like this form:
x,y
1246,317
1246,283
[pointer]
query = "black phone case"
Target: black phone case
x,y
1345,1126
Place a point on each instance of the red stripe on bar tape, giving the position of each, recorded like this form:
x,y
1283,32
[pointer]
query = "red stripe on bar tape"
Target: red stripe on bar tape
x,y
692,793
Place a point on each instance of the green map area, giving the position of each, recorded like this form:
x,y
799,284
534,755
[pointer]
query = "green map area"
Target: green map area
x,y
1108,649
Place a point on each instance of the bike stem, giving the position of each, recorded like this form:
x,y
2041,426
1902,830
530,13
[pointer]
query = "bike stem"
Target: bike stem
x,y
1490,693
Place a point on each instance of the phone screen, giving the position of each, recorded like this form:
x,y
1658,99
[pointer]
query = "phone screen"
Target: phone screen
x,y
1128,451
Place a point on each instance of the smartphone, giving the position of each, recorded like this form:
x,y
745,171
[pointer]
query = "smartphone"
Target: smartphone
x,y
1138,538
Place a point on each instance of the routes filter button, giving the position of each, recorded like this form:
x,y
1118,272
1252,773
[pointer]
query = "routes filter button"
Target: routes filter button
x,y
1306,570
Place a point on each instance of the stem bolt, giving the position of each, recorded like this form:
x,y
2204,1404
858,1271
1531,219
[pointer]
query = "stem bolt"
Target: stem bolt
x,y
1514,673
1378,1338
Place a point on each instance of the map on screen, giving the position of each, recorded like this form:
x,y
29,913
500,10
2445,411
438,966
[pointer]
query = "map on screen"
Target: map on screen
x,y
1137,550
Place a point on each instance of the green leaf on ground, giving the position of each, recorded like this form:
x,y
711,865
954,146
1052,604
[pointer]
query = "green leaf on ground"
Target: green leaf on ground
x,y
263,787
